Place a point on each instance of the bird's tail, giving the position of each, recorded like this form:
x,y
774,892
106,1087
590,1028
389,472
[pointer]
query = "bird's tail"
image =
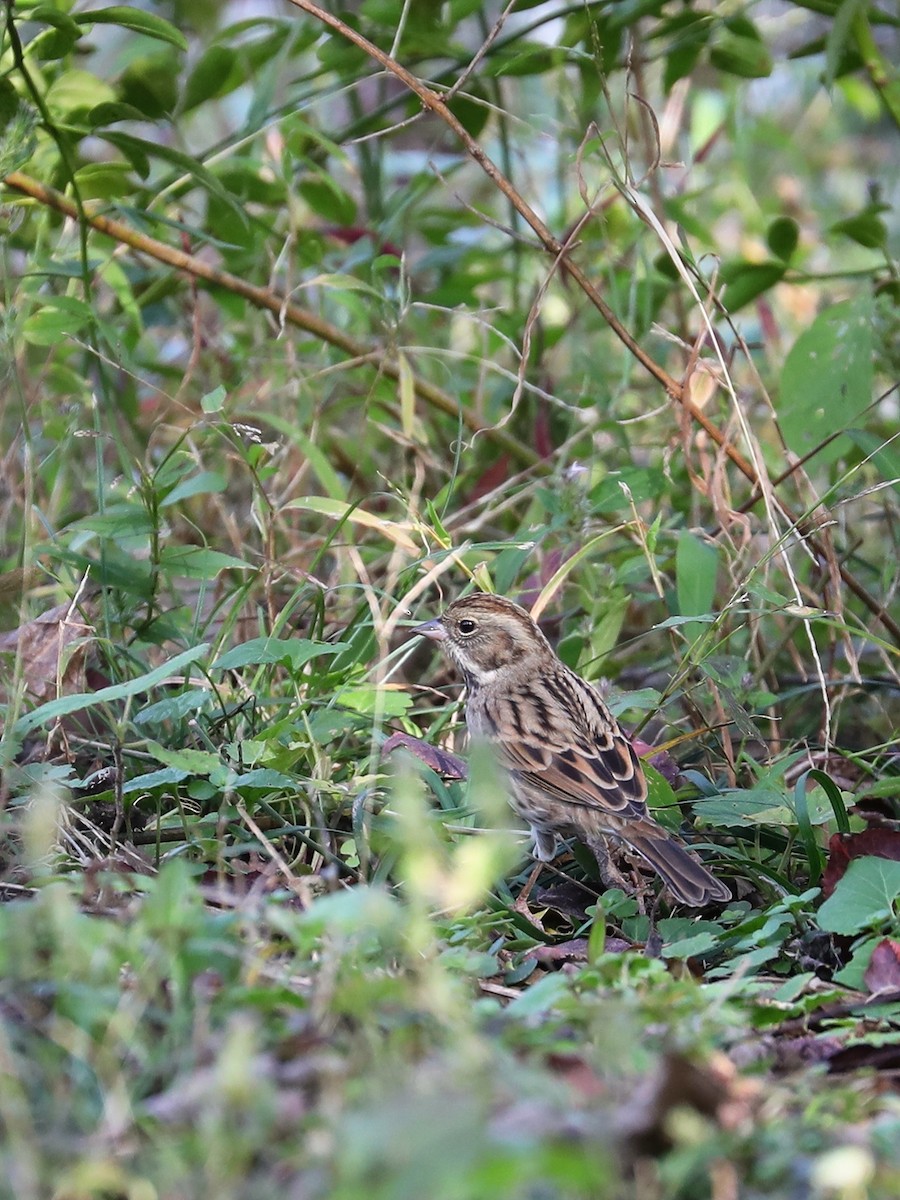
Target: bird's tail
x,y
680,869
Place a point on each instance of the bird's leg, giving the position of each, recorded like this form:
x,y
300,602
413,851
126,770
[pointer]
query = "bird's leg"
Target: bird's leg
x,y
521,902
543,848
610,874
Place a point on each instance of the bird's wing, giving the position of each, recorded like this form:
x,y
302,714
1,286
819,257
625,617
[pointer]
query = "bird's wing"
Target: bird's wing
x,y
561,739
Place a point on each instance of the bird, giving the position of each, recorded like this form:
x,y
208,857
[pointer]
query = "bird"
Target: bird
x,y
571,769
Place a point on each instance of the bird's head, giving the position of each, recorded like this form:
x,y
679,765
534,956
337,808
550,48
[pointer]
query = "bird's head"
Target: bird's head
x,y
484,634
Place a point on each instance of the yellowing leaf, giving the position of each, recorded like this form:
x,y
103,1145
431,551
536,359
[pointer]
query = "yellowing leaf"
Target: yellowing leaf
x,y
340,511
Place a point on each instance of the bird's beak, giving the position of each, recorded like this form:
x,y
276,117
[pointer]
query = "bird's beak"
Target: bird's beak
x,y
431,629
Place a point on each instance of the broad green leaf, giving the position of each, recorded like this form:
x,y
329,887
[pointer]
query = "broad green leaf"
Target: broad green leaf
x,y
619,488
660,795
104,181
75,91
742,281
61,317
165,777
192,762
696,569
865,228
262,777
840,36
56,42
198,562
137,21
140,149
782,236
741,54
214,75
118,691
214,401
826,381
202,483
293,652
123,520
174,707
866,897
330,201
150,84
389,701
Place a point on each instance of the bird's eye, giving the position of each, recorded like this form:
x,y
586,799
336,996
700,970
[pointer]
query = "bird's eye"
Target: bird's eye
x,y
467,625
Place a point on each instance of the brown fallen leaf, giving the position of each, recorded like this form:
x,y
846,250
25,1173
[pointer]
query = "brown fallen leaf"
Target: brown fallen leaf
x,y
714,1089
876,841
883,972
53,650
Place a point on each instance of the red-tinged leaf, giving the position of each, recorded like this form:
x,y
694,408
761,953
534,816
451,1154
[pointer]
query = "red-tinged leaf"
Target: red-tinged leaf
x,y
883,972
574,950
662,760
442,761
543,438
351,234
496,474
578,1074
875,841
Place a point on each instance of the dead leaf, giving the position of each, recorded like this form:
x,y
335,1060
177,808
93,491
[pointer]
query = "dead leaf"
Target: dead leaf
x,y
877,841
53,650
713,1089
883,972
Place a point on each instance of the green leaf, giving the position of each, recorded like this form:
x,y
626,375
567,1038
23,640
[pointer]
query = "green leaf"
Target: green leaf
x,y
293,652
826,381
661,798
864,898
696,568
814,854
329,200
782,237
165,777
75,91
214,401
150,84
214,75
174,708
369,699
137,21
866,228
118,691
840,36
192,762
198,562
61,317
105,181
882,453
738,54
139,149
201,484
597,936
611,494
743,281
56,42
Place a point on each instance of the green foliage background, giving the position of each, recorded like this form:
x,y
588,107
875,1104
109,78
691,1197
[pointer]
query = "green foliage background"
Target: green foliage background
x,y
289,352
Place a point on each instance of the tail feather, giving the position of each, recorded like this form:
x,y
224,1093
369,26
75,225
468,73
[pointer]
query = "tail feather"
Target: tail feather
x,y
679,868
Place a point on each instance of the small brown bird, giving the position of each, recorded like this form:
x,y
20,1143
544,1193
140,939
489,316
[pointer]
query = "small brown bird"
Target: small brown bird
x,y
572,771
